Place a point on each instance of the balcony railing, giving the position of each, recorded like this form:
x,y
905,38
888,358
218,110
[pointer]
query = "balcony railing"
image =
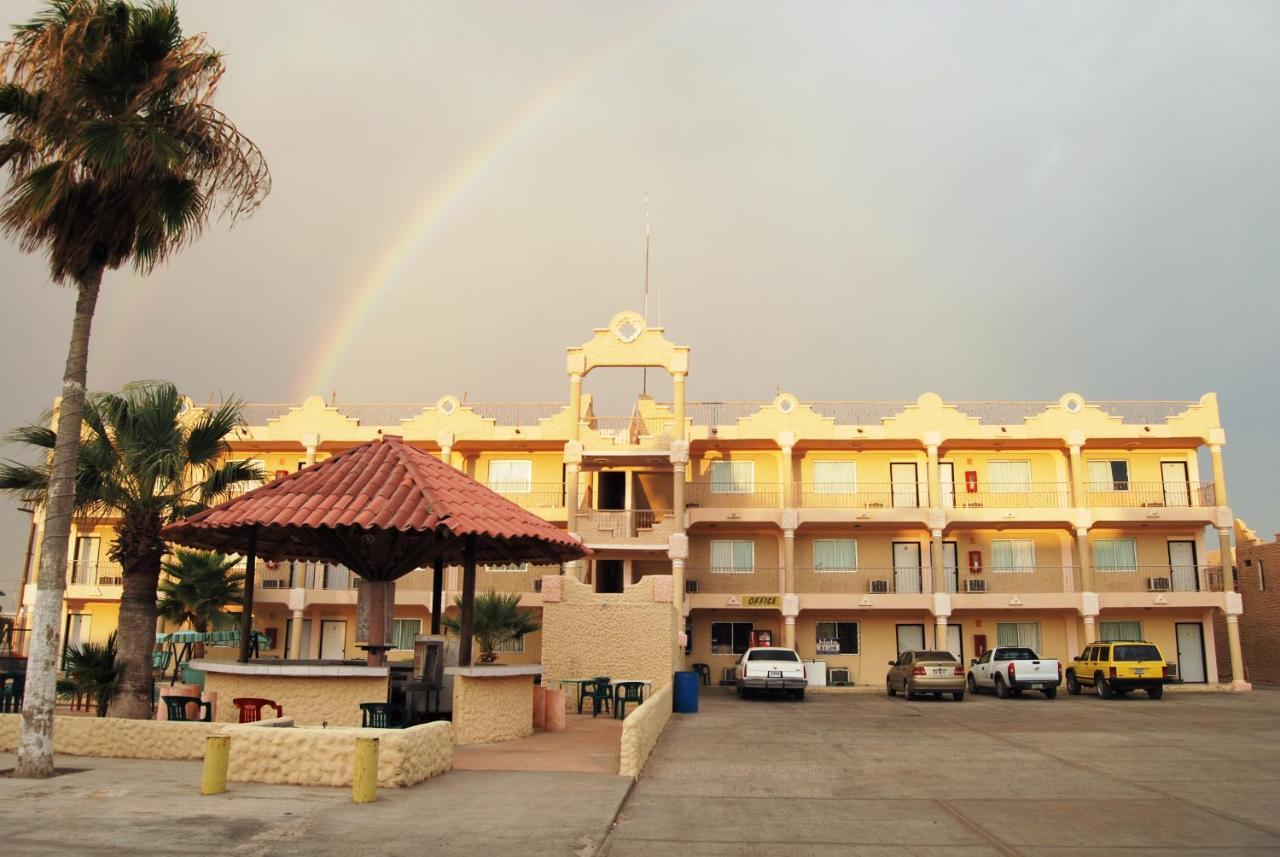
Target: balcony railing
x,y
1011,495
1014,581
301,575
625,524
532,495
94,573
633,430
756,581
1159,578
512,578
861,581
718,495
1141,495
862,495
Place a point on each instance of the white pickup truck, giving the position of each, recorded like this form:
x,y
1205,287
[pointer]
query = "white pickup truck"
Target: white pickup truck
x,y
771,668
1009,670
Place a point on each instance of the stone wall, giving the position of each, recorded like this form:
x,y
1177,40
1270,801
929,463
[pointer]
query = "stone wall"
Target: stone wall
x,y
630,635
308,700
641,731
491,709
1258,582
111,737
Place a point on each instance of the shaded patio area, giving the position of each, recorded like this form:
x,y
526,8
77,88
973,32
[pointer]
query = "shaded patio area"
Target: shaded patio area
x,y
586,746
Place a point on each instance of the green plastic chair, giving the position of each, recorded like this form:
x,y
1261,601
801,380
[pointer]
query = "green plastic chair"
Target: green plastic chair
x,y
627,692
176,707
381,715
600,692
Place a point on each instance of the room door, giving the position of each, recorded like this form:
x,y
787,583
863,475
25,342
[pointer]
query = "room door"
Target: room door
x,y
906,487
1177,491
906,567
955,641
910,638
333,640
1191,666
1182,566
951,566
947,486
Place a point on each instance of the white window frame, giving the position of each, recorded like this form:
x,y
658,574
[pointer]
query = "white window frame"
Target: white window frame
x,y
1023,641
837,487
1103,637
1115,569
853,566
1110,483
857,636
395,635
513,484
742,477
1020,487
1015,568
514,646
733,553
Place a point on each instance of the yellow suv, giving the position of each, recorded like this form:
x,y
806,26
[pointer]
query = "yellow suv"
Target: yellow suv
x,y
1116,667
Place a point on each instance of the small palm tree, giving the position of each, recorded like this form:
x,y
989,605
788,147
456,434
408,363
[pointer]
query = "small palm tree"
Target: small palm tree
x,y
92,668
117,155
497,619
198,588
145,461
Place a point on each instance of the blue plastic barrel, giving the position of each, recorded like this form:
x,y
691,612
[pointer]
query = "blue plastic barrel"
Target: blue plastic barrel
x,y
684,697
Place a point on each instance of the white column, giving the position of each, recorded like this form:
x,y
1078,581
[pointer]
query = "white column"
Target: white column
x,y
295,639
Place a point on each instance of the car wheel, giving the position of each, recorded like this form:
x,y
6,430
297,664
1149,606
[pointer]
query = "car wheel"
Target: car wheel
x,y
1002,689
799,696
1156,692
742,693
958,696
1103,687
888,686
973,685
1051,693
1073,684
906,690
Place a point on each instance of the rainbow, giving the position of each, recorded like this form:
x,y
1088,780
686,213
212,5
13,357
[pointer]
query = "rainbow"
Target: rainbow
x,y
449,194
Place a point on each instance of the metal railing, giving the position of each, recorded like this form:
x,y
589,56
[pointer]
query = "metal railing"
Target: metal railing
x,y
1158,578
1141,495
532,495
862,495
1010,581
864,580
514,578
94,573
1009,495
716,495
756,581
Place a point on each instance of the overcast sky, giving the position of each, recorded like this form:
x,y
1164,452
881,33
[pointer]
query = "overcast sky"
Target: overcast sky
x,y
848,200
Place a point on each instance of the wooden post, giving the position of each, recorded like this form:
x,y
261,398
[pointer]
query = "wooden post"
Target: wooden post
x,y
468,602
437,595
246,617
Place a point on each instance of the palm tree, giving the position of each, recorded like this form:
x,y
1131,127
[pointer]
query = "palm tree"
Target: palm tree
x,y
498,618
92,669
116,155
145,461
197,589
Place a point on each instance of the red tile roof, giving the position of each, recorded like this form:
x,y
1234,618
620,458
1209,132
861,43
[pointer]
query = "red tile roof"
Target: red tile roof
x,y
382,508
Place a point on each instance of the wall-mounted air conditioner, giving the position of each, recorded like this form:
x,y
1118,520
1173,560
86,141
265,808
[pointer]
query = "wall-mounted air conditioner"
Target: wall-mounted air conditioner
x,y
691,586
537,584
975,586
879,586
838,676
1159,584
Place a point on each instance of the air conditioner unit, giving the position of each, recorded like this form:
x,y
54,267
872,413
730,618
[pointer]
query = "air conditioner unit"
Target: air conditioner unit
x,y
110,581
975,586
272,584
691,586
879,585
537,584
1159,584
838,676
729,677
1171,671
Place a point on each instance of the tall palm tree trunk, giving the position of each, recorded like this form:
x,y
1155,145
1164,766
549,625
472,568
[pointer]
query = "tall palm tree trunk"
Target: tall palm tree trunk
x,y
136,636
35,744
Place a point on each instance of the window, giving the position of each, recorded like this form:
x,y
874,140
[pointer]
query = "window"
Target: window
x,y
403,631
1115,555
733,556
1137,653
774,655
835,555
835,477
1013,555
1024,634
1108,475
733,477
511,476
1262,578
1120,631
1009,477
730,638
514,646
837,638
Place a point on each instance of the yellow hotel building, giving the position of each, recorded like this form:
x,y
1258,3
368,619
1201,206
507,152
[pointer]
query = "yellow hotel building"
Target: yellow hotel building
x,y
847,529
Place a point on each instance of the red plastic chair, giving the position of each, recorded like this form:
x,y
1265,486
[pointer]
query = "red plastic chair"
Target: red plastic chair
x,y
250,708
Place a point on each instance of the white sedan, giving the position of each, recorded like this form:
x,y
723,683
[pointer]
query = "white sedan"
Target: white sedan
x,y
770,668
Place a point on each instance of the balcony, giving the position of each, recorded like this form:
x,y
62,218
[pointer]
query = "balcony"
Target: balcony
x,y
639,527
532,495
302,575
863,495
1149,495
1012,495
1159,578
629,432
720,495
756,581
860,581
1014,581
94,573
520,578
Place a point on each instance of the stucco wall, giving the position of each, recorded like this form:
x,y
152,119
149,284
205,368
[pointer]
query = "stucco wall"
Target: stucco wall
x,y
641,731
309,701
118,739
487,710
625,635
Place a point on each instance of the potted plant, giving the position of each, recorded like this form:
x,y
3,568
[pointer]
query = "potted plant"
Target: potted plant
x,y
497,619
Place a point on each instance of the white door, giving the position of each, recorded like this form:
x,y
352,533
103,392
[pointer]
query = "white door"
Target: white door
x,y
951,566
910,638
906,490
955,642
333,640
1176,490
306,638
947,478
906,566
84,569
78,629
1182,566
1191,652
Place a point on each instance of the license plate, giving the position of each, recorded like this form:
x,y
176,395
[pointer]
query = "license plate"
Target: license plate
x,y
775,673
1139,670
941,671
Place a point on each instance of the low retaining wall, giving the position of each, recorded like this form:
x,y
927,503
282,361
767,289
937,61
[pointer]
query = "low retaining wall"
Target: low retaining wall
x,y
309,700
641,731
113,738
491,708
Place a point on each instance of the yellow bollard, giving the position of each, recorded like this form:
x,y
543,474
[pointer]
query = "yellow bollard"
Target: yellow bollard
x,y
364,773
217,752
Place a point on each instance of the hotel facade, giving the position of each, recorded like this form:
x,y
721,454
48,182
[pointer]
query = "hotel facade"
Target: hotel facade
x,y
850,530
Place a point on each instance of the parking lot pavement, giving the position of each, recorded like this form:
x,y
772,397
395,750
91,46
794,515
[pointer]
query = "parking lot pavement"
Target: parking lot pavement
x,y
131,807
1193,773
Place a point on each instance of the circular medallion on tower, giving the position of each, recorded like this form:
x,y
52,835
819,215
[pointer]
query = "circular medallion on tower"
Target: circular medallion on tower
x,y
786,403
1071,403
447,405
627,326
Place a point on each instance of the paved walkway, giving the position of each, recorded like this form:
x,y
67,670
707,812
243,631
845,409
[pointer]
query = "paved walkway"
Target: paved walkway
x,y
589,745
1194,773
128,807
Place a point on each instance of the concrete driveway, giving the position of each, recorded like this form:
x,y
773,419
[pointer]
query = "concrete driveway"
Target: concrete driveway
x,y
1194,773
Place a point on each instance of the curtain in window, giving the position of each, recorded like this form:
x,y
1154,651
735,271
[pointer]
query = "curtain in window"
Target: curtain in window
x,y
1023,634
843,636
1013,555
835,555
1108,475
1115,555
403,631
733,477
511,477
835,477
736,555
1108,631
1009,476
